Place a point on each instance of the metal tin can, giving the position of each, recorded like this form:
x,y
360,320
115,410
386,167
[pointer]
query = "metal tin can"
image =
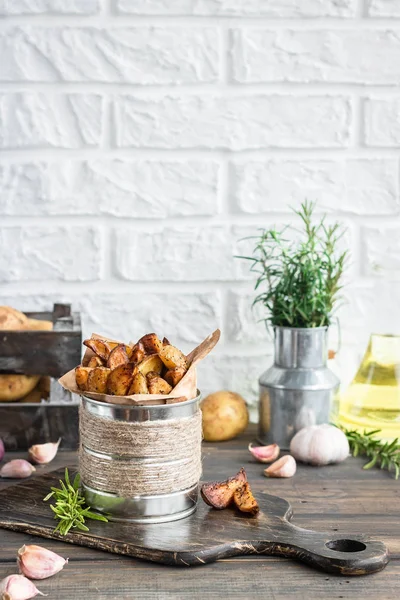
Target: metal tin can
x,y
298,389
141,508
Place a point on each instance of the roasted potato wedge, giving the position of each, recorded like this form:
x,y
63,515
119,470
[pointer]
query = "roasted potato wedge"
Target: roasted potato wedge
x,y
151,363
97,380
156,384
244,499
173,376
166,342
172,357
137,354
118,356
98,347
96,361
219,494
139,384
81,377
120,380
151,343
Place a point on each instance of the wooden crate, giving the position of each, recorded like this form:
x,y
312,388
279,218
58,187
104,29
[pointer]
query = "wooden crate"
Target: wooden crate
x,y
46,353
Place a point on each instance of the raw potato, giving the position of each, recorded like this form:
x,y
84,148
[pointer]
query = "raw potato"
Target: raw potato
x,y
118,356
173,376
81,377
139,384
244,499
225,416
219,494
12,319
172,357
34,397
151,343
98,347
97,380
38,325
96,361
137,354
151,363
156,384
14,387
120,380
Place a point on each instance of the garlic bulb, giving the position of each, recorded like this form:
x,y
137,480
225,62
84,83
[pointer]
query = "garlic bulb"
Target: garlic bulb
x,y
320,445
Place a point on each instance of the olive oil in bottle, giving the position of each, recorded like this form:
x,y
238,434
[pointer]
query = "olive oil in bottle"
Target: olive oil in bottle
x,y
372,400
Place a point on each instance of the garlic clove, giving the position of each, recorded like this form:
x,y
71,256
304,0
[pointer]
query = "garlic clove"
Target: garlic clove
x,y
18,587
320,445
38,563
265,454
43,453
17,469
284,467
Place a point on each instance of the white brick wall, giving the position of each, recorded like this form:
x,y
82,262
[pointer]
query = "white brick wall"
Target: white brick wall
x,y
141,139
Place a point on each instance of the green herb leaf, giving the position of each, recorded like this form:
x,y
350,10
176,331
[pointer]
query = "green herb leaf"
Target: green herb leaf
x,y
383,454
301,277
69,508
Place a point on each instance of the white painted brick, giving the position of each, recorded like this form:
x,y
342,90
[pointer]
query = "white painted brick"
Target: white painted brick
x,y
235,122
160,55
382,122
356,186
40,120
357,56
33,7
33,253
122,188
383,8
244,322
186,319
174,254
238,373
381,251
239,8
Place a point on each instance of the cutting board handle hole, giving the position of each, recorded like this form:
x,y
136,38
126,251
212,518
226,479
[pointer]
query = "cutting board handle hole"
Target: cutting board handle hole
x,y
346,545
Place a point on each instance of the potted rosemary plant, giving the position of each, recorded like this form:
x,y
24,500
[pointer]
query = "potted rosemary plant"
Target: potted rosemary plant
x,y
299,280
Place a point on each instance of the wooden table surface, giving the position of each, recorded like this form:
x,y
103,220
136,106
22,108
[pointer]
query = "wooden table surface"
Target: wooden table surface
x,y
342,498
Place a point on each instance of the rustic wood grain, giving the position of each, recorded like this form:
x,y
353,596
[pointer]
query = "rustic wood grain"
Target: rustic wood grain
x,y
204,537
339,499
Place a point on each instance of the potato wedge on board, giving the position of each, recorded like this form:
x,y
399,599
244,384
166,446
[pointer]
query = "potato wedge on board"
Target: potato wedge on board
x,y
81,376
96,361
219,494
172,357
173,376
118,356
98,347
97,380
156,384
120,380
151,343
166,342
137,353
244,499
150,363
138,385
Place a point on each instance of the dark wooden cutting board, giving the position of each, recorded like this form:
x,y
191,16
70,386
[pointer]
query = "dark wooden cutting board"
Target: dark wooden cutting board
x,y
204,537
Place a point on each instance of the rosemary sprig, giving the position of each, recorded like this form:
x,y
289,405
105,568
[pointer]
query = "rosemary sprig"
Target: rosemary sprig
x,y
69,508
386,455
299,277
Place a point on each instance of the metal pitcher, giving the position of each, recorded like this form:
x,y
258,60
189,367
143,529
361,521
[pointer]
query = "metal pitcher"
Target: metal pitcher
x,y
299,389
